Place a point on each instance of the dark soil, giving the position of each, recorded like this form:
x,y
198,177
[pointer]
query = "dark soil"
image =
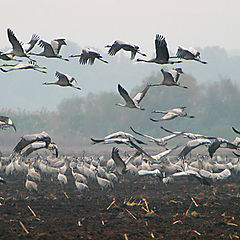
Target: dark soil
x,y
137,208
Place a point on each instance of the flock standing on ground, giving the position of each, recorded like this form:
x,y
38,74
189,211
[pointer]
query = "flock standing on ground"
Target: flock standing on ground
x,y
97,169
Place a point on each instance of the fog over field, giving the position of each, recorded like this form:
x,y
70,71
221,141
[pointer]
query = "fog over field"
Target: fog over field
x,y
213,94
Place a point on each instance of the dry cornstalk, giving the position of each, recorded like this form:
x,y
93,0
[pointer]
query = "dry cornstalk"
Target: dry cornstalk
x,y
189,208
24,228
114,200
152,235
198,233
130,213
125,236
194,202
66,195
177,221
231,224
33,213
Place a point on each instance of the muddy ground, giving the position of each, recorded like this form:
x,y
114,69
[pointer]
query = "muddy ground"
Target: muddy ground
x,y
137,208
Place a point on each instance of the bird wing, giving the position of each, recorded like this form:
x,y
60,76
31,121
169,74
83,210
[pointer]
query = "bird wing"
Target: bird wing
x,y
25,140
29,46
34,147
133,54
62,78
57,44
167,130
143,135
235,130
125,95
14,41
84,57
194,52
166,138
187,149
236,141
120,164
47,48
139,149
97,140
213,147
114,48
161,48
139,96
168,77
169,116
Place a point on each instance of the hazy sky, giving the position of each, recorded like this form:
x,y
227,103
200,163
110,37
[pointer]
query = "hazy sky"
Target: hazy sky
x,y
96,23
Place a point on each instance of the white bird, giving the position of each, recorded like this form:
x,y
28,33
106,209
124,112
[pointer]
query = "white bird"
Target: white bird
x,y
33,174
162,54
31,185
64,80
104,183
220,142
88,56
171,114
118,45
6,122
189,54
132,102
189,135
82,187
31,138
158,157
192,145
119,134
51,50
23,66
159,141
170,78
39,145
17,48
8,57
154,172
62,179
120,164
112,140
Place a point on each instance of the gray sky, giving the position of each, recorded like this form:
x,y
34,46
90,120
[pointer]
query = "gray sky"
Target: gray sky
x,y
95,23
99,22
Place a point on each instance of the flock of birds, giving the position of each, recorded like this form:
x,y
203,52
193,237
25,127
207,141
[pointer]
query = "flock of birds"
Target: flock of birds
x,y
105,172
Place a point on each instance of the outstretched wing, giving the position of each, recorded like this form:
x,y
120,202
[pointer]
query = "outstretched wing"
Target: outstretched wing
x,y
120,164
161,48
213,147
139,96
29,46
125,95
47,48
114,48
14,41
62,78
57,44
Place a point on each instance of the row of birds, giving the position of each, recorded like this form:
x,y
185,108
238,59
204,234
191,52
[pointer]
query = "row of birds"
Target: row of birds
x,y
106,172
52,50
88,56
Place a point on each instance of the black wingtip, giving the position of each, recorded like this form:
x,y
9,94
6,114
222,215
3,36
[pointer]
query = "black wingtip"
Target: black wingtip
x,y
154,120
235,130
